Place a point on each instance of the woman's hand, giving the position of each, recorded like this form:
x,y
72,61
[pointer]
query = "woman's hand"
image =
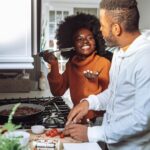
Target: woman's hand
x,y
49,57
91,75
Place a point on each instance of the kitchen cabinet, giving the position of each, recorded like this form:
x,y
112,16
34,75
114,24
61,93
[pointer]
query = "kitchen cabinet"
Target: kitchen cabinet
x,y
15,34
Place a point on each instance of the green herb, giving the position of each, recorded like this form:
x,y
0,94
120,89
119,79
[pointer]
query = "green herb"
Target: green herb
x,y
9,126
7,143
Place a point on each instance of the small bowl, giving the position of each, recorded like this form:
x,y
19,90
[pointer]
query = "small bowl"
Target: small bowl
x,y
37,129
24,136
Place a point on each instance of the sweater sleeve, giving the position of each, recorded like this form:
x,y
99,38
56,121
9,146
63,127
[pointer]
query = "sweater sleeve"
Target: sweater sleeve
x,y
104,74
58,82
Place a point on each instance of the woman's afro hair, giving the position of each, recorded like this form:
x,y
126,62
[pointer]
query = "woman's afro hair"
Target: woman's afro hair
x,y
71,24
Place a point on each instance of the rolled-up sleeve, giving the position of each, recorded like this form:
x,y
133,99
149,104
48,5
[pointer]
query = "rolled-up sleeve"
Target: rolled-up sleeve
x,y
100,101
96,134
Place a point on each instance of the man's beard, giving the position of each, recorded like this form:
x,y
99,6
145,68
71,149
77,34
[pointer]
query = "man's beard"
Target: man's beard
x,y
111,41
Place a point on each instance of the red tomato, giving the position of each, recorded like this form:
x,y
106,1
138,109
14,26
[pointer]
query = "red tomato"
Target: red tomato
x,y
52,134
55,131
47,133
61,135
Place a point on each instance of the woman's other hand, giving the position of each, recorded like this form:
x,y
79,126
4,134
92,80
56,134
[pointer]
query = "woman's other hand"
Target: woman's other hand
x,y
91,75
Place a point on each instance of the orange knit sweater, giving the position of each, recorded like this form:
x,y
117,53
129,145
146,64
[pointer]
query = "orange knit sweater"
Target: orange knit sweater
x,y
73,78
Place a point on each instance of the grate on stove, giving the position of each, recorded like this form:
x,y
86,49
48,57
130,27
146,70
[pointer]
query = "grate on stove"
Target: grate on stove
x,y
54,115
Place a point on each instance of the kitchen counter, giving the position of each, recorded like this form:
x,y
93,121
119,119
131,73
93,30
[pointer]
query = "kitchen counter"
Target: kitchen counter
x,y
42,136
31,94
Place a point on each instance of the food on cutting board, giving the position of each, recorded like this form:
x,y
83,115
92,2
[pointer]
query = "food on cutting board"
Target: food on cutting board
x,y
54,132
52,139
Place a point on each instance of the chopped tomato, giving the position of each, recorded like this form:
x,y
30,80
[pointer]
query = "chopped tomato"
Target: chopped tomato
x,y
61,135
47,133
55,131
52,132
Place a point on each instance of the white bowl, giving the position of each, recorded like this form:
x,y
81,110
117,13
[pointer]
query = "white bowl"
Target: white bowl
x,y
37,129
24,136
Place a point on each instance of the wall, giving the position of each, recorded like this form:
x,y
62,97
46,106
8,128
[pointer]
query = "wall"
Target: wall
x,y
144,8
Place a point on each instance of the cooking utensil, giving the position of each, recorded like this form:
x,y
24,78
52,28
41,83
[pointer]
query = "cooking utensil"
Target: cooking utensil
x,y
23,118
41,54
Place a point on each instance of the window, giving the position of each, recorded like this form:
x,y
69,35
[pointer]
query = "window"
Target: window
x,y
54,18
92,11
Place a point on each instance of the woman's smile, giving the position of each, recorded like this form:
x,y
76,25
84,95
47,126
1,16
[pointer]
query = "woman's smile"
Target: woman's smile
x,y
84,42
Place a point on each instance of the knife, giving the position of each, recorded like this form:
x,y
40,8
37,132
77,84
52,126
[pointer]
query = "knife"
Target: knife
x,y
41,54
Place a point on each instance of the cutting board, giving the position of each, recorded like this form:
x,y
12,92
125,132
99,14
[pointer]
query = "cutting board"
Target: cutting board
x,y
36,137
68,142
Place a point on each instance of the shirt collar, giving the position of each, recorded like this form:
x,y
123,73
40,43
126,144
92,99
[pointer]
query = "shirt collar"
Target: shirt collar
x,y
132,48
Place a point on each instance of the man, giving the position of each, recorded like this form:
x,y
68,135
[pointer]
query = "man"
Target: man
x,y
126,123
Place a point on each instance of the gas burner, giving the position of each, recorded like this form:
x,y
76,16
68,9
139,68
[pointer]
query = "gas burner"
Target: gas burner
x,y
58,122
54,115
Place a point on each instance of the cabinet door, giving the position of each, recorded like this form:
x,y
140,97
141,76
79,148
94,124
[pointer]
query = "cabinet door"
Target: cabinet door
x,y
15,34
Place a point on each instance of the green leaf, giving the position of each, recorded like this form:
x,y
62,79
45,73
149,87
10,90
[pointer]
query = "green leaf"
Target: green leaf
x,y
11,127
10,143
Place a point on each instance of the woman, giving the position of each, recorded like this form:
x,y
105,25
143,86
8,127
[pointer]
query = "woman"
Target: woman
x,y
86,70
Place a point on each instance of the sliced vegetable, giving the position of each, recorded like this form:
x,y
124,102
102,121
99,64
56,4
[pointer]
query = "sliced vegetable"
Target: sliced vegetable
x,y
62,135
54,132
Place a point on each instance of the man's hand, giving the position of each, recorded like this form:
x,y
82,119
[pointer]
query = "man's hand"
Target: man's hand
x,y
77,132
78,112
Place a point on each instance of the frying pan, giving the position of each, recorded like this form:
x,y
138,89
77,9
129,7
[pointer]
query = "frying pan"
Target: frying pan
x,y
34,117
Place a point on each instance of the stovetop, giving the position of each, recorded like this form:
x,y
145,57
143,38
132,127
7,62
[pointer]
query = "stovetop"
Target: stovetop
x,y
54,115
